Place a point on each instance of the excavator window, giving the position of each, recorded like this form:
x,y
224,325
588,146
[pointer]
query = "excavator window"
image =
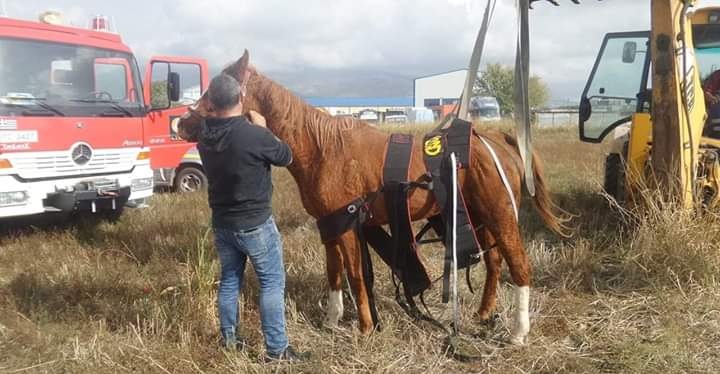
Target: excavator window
x,y
618,78
706,38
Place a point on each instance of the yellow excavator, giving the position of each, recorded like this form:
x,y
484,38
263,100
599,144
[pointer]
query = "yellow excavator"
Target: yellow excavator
x,y
652,81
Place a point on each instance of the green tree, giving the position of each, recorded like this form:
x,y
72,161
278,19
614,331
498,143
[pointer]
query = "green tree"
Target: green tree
x,y
498,81
160,97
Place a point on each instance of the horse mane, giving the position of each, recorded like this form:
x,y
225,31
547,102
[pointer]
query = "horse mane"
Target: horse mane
x,y
328,133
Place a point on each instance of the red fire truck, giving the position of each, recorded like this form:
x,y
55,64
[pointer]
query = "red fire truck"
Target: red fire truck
x,y
79,130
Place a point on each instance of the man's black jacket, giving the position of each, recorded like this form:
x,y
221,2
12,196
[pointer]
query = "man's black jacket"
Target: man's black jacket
x,y
237,156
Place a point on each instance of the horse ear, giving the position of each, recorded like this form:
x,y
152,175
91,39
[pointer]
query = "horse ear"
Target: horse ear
x,y
239,67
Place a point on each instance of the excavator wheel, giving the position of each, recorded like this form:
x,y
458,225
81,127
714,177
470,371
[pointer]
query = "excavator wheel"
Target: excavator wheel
x,y
614,183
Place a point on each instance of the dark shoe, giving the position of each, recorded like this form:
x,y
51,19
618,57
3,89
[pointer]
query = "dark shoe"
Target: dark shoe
x,y
289,355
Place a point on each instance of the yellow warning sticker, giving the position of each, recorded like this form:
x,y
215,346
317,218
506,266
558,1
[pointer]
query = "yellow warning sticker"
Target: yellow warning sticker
x,y
433,146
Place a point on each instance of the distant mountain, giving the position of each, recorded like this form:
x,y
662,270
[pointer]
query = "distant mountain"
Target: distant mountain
x,y
344,83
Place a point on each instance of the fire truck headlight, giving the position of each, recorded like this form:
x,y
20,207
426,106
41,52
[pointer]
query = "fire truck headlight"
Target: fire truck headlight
x,y
142,184
5,164
13,198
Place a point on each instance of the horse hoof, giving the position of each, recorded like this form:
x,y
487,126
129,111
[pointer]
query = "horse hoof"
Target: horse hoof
x,y
335,329
489,320
366,330
518,340
330,326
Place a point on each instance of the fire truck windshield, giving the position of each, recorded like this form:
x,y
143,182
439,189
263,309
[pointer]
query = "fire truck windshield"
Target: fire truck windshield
x,y
40,78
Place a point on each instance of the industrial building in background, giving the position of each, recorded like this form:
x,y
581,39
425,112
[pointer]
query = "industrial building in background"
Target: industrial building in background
x,y
373,109
341,106
434,96
439,92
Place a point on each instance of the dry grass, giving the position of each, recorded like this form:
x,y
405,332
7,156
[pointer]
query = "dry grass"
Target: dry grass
x,y
138,296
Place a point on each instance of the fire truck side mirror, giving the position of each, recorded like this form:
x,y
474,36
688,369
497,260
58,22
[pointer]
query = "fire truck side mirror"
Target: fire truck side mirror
x,y
173,86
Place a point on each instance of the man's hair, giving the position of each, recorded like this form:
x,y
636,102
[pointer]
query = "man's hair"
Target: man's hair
x,y
224,92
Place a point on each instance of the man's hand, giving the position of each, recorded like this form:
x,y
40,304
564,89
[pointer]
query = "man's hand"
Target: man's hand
x,y
257,119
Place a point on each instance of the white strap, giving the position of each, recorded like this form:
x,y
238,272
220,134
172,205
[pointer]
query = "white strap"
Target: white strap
x,y
456,318
501,171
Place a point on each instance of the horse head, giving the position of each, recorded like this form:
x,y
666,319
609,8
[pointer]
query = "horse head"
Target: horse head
x,y
188,127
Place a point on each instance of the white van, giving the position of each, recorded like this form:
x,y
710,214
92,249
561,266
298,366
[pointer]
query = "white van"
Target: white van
x,y
485,108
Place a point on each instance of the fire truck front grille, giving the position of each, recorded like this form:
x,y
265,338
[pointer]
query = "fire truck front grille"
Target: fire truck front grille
x,y
105,184
58,164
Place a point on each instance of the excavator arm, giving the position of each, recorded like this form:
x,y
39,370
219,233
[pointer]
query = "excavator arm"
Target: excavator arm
x,y
678,110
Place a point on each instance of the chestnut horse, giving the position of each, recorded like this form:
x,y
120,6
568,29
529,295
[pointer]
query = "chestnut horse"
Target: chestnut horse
x,y
339,159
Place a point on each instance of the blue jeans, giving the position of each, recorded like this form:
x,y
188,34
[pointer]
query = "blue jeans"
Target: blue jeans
x,y
262,244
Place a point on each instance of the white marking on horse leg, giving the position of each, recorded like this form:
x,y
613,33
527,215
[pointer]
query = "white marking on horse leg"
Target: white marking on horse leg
x,y
334,309
521,327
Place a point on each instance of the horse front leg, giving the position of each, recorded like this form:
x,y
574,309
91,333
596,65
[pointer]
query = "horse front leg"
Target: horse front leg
x,y
493,266
334,265
353,266
502,226
511,248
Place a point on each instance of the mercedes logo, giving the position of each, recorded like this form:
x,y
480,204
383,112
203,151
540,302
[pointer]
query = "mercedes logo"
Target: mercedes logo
x,y
81,154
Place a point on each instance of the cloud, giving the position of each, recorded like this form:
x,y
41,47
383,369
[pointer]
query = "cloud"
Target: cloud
x,y
400,38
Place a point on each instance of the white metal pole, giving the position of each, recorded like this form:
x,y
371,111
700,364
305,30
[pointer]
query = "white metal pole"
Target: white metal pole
x,y
453,160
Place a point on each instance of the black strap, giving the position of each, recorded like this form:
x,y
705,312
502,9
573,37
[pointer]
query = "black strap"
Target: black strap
x,y
340,221
458,141
368,273
437,147
397,158
467,279
399,250
433,223
416,279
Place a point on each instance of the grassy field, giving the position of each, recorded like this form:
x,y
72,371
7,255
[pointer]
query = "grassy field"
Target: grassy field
x,y
630,293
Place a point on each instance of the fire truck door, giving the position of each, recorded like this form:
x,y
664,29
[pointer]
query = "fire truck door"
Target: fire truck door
x,y
171,84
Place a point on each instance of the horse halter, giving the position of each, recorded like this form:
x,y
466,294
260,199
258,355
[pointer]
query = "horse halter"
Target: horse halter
x,y
192,111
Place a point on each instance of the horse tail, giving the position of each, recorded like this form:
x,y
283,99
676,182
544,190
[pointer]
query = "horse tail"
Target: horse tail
x,y
555,218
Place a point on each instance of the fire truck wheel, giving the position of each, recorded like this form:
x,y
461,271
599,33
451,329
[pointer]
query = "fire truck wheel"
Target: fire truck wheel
x,y
190,179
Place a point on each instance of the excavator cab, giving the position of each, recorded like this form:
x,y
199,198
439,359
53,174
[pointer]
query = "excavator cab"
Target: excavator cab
x,y
617,99
616,92
617,86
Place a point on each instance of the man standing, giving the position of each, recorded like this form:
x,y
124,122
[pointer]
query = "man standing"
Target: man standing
x,y
237,156
711,88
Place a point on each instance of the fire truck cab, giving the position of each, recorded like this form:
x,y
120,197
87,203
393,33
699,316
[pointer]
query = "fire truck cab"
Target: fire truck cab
x,y
78,129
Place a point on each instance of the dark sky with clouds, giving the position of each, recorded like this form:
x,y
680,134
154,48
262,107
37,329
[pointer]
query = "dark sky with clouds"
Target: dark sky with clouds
x,y
359,47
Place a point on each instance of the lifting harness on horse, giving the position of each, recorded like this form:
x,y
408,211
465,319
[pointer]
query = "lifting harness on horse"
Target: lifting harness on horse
x,y
399,248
